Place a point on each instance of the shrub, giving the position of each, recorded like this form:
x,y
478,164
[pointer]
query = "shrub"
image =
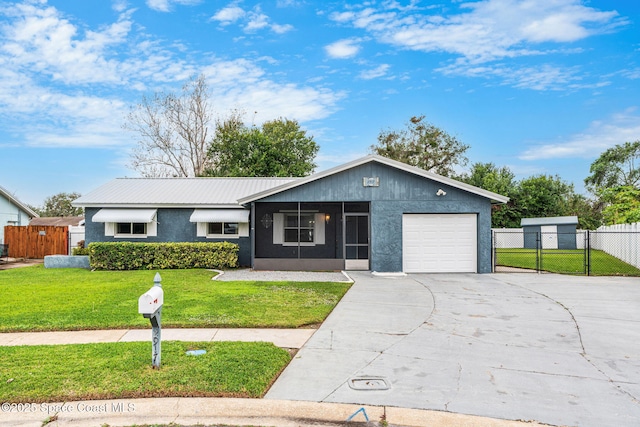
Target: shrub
x,y
158,256
80,251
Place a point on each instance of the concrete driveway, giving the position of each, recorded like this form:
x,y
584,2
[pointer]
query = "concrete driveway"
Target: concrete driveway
x,y
556,349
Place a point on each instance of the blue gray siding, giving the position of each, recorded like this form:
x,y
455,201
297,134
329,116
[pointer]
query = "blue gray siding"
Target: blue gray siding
x,y
399,192
173,226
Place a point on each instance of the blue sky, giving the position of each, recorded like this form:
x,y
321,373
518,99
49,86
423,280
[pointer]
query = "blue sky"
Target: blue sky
x,y
542,87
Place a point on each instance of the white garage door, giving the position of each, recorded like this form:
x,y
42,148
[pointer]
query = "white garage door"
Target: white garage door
x,y
439,243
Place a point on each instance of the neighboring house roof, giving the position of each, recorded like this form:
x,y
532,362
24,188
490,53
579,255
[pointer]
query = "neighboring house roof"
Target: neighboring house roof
x,y
494,197
554,220
61,221
177,192
18,203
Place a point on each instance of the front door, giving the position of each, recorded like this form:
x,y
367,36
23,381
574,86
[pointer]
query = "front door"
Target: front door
x,y
356,248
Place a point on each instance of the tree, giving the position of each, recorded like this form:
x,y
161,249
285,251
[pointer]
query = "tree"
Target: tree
x,y
423,145
489,177
277,148
623,205
615,167
589,212
60,205
172,131
544,195
498,180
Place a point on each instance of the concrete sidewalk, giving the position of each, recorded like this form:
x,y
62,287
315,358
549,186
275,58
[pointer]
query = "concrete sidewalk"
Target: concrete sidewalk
x,y
285,338
180,411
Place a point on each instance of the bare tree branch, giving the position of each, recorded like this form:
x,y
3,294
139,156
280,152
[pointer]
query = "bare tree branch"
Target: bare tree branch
x,y
172,132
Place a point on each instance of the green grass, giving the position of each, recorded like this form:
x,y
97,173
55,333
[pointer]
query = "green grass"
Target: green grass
x,y
566,261
123,370
39,299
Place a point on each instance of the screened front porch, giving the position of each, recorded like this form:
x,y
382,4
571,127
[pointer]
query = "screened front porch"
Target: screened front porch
x,y
311,236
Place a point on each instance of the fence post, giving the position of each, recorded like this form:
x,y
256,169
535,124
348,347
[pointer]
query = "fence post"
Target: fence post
x,y
538,246
588,252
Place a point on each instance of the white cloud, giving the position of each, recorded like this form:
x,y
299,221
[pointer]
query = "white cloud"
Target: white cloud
x,y
241,84
483,31
229,14
601,135
41,40
257,21
165,5
252,21
341,49
539,77
65,85
375,73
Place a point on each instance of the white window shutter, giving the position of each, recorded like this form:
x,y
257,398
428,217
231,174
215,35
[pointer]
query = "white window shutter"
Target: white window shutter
x,y
152,228
243,229
278,228
319,229
201,229
109,228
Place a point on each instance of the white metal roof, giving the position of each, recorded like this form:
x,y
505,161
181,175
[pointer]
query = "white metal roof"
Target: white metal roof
x,y
177,192
494,197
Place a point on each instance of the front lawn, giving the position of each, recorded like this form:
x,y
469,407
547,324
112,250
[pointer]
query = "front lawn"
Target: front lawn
x,y
59,373
566,261
39,299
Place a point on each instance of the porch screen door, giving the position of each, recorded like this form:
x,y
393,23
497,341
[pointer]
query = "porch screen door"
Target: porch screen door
x,y
356,241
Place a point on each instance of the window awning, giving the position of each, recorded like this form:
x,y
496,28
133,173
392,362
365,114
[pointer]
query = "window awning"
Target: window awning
x,y
124,215
219,215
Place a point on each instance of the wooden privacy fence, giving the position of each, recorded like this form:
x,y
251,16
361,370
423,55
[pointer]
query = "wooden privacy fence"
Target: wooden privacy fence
x,y
36,241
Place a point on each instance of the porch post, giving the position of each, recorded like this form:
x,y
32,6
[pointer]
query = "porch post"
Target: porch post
x,y
252,227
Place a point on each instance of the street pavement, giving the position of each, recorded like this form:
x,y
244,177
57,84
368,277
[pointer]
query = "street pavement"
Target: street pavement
x,y
560,350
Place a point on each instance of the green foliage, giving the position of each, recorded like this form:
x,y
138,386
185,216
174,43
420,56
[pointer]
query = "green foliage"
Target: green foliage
x,y
543,196
536,196
498,180
589,212
615,167
44,299
122,370
60,205
623,205
491,178
160,256
80,251
423,145
277,148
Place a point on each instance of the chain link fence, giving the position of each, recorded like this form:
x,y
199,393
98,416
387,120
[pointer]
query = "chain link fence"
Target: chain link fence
x,y
597,253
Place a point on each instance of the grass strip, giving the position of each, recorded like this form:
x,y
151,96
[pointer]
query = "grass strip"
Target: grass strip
x,y
38,299
566,261
34,374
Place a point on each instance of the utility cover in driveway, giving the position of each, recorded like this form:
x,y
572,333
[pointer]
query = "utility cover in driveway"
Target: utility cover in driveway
x,y
439,243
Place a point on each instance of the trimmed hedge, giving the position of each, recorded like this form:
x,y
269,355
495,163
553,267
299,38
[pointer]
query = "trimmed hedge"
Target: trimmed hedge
x,y
159,256
80,251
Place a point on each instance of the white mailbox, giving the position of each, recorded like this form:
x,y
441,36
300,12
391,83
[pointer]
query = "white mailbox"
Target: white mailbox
x,y
151,300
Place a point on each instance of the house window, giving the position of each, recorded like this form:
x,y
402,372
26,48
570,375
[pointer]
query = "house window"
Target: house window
x,y
223,228
131,229
302,232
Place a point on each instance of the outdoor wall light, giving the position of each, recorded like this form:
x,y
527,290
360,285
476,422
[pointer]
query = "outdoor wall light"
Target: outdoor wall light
x,y
327,218
441,192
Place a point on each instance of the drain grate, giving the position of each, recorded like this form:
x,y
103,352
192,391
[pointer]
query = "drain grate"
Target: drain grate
x,y
369,383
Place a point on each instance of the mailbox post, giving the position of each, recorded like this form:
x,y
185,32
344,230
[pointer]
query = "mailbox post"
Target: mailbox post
x,y
150,306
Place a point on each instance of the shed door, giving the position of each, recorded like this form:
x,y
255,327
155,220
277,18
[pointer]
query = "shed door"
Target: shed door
x,y
549,236
439,243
